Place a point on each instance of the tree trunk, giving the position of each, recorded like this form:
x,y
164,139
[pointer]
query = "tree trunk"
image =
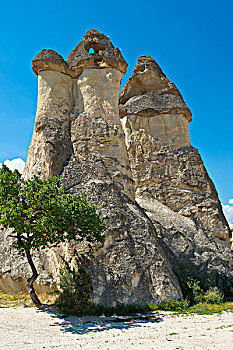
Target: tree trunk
x,y
32,279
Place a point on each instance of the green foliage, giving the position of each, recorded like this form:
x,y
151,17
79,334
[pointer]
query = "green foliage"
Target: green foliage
x,y
74,297
192,284
42,212
195,291
170,305
213,296
209,309
195,287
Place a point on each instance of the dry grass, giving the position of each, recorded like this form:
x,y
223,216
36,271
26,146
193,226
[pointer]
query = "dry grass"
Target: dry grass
x,y
23,299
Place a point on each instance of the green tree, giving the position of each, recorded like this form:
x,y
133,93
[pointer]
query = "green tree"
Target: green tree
x,y
41,213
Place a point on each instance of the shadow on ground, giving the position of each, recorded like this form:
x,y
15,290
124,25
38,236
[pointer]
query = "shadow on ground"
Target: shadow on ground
x,y
87,324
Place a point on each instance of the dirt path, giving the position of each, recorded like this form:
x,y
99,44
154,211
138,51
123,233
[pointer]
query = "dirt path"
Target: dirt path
x,y
34,329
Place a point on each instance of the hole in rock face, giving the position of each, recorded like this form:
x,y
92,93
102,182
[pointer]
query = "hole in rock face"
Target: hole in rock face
x,y
94,48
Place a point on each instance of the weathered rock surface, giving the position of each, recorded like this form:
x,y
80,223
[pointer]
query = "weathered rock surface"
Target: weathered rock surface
x,y
131,267
163,163
78,134
50,145
149,183
14,268
96,126
168,170
104,55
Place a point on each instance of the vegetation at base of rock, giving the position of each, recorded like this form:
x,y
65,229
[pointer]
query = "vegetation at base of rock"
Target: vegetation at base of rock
x,y
200,309
75,291
213,296
170,305
202,301
197,287
41,212
75,298
23,299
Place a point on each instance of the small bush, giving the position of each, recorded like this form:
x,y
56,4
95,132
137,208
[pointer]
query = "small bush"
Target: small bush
x,y
213,296
191,281
170,305
76,288
195,291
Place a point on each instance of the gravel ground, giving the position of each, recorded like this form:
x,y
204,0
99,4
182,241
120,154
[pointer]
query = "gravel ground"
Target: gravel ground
x,y
44,328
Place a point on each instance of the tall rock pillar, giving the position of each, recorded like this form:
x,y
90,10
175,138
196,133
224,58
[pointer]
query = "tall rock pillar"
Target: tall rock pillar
x,y
50,145
171,182
165,167
131,267
96,126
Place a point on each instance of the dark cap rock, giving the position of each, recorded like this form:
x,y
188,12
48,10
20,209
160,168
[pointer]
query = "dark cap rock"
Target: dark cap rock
x,y
49,60
149,92
104,55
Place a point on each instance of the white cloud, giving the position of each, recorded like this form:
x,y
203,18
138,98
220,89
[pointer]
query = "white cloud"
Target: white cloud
x,y
228,211
13,164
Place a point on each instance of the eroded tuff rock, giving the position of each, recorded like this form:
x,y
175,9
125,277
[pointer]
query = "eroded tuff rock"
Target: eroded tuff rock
x,y
14,268
104,55
49,60
131,267
163,162
150,184
78,134
168,170
50,145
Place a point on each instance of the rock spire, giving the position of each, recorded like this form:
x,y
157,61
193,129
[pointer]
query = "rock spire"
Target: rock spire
x,y
171,182
133,158
87,146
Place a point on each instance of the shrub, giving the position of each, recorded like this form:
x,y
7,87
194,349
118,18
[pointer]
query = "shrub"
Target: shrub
x,y
170,305
195,291
213,296
75,291
192,283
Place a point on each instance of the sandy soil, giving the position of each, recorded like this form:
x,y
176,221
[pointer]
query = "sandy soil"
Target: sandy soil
x,y
29,329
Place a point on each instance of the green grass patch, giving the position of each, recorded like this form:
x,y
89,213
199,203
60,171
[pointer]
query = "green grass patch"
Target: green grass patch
x,y
209,309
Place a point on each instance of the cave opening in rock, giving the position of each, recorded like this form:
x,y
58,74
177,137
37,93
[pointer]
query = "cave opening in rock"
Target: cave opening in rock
x,y
94,48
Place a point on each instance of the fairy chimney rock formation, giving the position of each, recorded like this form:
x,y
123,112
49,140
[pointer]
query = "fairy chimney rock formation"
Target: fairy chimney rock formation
x,y
149,93
87,86
81,96
165,166
133,158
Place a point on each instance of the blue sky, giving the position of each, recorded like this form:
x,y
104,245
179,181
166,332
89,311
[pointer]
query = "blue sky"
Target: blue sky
x,y
191,41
